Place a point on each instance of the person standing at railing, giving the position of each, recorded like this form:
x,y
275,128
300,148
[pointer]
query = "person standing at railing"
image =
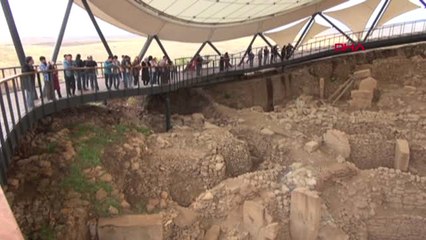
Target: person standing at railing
x,y
92,73
126,66
260,56
108,72
145,72
274,54
250,58
162,71
28,81
221,63
116,72
283,53
289,50
55,77
265,55
136,69
80,74
47,76
198,64
69,75
227,61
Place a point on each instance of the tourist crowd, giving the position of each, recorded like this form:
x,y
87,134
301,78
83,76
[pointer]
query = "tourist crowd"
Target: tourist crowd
x,y
82,75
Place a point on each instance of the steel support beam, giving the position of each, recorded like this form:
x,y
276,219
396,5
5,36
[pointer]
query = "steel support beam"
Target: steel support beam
x,y
338,29
13,31
196,53
58,43
376,20
214,48
162,47
268,43
145,47
98,29
248,48
305,31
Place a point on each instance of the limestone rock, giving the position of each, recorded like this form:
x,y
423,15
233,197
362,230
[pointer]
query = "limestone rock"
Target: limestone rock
x,y
147,227
332,233
253,217
361,74
311,146
101,194
112,210
402,155
185,218
305,214
267,132
106,177
213,233
361,99
269,232
338,142
368,84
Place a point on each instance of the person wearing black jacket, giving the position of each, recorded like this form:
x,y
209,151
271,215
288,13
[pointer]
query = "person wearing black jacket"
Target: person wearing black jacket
x,y
28,81
80,73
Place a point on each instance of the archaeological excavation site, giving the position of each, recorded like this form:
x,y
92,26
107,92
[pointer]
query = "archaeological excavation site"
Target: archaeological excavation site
x,y
331,150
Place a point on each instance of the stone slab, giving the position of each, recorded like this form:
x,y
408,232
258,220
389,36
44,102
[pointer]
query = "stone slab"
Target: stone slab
x,y
368,84
147,227
361,74
305,214
253,217
402,155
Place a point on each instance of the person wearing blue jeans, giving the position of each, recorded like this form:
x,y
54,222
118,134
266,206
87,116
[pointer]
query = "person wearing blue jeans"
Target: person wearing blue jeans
x,y
92,73
108,72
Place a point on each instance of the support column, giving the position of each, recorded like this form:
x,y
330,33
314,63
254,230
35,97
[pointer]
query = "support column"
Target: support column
x,y
270,95
98,29
338,29
168,117
13,31
162,47
248,48
62,31
376,20
145,47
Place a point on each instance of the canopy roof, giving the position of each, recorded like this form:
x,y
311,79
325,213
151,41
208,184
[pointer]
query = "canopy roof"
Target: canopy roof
x,y
202,20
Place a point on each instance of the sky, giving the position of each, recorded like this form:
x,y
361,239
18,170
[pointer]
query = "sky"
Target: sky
x,y
41,19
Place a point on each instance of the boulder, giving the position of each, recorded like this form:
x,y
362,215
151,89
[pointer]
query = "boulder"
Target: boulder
x,y
311,146
338,142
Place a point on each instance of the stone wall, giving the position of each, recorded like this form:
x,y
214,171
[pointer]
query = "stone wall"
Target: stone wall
x,y
397,227
395,65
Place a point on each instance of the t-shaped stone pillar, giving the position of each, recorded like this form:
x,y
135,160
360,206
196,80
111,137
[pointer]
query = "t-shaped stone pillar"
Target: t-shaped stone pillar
x,y
402,155
305,214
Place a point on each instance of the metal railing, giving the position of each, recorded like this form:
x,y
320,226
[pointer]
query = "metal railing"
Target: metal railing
x,y
18,114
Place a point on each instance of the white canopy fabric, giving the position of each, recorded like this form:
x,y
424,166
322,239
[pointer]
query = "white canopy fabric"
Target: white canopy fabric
x,y
139,17
356,17
396,8
287,35
315,30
